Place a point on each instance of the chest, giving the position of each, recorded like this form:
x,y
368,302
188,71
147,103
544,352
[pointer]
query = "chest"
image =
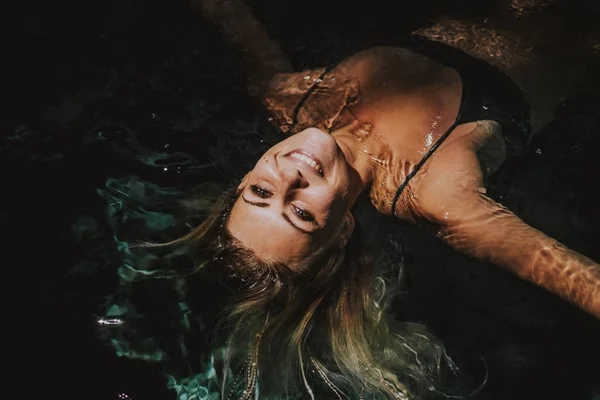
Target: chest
x,y
394,109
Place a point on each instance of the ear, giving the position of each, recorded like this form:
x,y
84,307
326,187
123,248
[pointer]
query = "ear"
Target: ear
x,y
347,227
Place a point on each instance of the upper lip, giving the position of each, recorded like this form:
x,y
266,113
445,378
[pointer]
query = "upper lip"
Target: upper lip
x,y
309,155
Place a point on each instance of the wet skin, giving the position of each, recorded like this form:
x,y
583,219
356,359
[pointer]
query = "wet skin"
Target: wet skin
x,y
384,108
401,104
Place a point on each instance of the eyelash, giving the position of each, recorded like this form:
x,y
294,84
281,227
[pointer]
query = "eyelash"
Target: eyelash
x,y
265,194
303,215
260,192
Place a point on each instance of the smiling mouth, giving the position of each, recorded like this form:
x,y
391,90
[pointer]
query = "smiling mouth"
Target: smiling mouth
x,y
307,158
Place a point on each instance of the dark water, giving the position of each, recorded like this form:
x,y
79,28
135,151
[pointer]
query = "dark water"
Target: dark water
x,y
145,97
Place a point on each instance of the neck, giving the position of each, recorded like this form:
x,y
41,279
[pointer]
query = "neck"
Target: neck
x,y
358,156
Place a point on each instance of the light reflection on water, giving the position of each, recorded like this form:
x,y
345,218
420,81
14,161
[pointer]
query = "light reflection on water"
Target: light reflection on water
x,y
154,156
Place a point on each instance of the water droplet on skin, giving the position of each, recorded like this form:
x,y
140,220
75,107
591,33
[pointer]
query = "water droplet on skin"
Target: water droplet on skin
x,y
428,139
307,77
446,215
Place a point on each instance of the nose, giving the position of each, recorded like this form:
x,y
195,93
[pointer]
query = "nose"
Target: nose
x,y
292,178
289,175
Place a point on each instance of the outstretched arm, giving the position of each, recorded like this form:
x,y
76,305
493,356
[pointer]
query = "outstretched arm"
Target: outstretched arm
x,y
262,56
453,198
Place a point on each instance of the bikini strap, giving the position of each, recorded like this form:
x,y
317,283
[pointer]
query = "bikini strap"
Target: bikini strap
x,y
433,148
310,91
458,121
420,164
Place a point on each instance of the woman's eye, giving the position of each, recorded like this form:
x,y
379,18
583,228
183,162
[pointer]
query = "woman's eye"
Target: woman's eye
x,y
303,215
261,192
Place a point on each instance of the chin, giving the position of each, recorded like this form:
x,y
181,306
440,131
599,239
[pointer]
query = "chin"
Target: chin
x,y
317,134
319,140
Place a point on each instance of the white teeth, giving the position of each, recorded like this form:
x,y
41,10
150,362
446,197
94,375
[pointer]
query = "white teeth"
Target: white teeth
x,y
307,160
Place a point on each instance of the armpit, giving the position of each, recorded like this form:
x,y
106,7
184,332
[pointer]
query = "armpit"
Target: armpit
x,y
492,151
326,102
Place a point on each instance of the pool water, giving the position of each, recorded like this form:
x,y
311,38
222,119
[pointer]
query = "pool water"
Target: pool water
x,y
118,109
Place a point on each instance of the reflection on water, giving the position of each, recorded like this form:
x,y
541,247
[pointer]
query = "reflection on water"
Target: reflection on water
x,y
133,137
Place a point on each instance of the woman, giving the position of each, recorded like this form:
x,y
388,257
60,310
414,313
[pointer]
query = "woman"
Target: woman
x,y
416,127
372,123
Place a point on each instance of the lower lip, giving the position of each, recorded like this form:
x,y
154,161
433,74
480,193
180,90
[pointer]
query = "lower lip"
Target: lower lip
x,y
309,155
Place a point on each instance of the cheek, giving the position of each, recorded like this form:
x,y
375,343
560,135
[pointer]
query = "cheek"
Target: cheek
x,y
263,162
328,202
341,180
342,188
270,153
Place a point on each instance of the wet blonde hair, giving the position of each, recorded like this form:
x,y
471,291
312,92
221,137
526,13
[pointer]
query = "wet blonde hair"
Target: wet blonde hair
x,y
321,330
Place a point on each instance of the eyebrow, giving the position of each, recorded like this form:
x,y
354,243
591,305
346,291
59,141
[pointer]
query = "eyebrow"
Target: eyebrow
x,y
283,214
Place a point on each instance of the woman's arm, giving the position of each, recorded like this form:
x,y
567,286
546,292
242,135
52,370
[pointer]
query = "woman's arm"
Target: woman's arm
x,y
262,56
452,196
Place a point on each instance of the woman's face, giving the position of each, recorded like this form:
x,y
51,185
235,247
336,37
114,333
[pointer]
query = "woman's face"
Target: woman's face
x,y
296,200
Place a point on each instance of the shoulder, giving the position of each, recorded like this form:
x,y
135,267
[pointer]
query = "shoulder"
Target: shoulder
x,y
400,60
285,92
311,98
451,178
455,175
